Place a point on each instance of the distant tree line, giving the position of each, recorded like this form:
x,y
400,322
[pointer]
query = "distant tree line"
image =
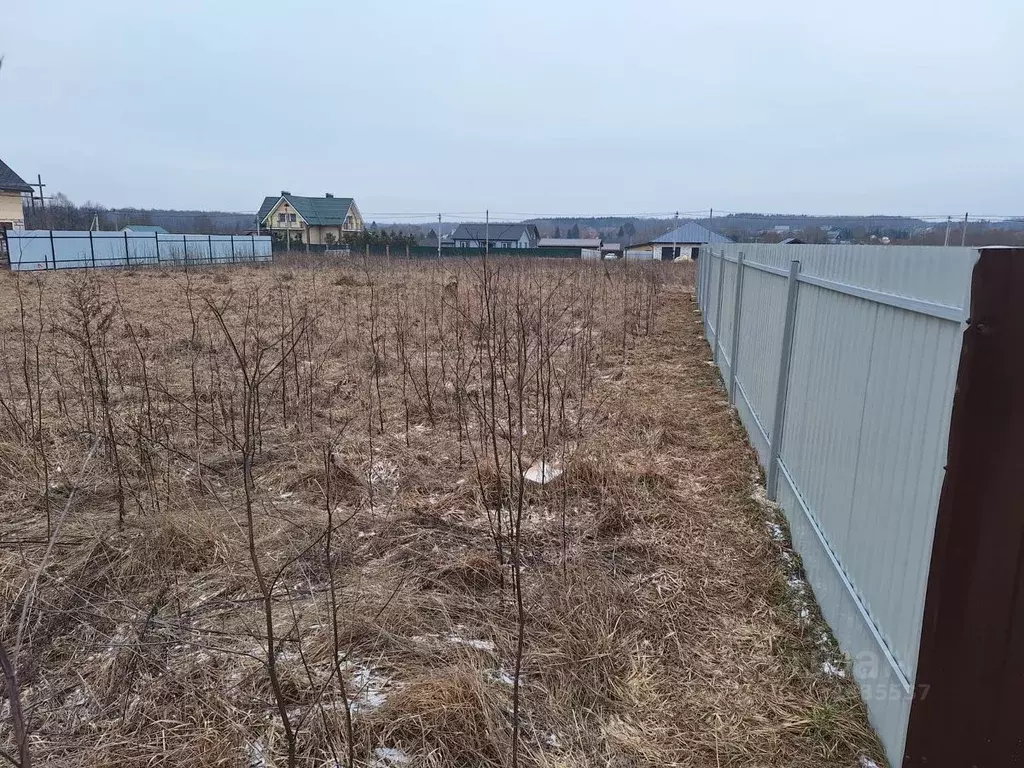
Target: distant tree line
x,y
375,236
59,212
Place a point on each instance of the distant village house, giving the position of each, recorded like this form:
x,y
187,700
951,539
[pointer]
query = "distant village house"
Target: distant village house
x,y
311,220
499,236
12,187
683,242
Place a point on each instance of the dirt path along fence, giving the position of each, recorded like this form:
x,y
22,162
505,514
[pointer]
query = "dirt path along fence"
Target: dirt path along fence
x,y
842,363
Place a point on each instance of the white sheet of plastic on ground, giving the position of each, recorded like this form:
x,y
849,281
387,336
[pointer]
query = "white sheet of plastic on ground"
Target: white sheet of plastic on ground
x,y
543,472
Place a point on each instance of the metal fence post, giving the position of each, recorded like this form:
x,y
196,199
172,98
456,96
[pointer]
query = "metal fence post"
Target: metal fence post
x,y
184,247
92,250
699,284
156,239
734,353
704,258
782,386
209,245
232,249
253,237
53,251
127,256
708,278
718,309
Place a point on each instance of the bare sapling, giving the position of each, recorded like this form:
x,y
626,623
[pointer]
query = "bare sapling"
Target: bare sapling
x,y
250,353
90,320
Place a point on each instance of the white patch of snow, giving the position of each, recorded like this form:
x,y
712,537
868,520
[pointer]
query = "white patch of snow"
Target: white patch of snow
x,y
479,645
500,676
370,688
257,755
776,531
388,756
832,670
866,762
455,639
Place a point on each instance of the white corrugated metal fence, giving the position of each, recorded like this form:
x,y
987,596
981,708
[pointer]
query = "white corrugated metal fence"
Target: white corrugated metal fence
x,y
52,249
841,362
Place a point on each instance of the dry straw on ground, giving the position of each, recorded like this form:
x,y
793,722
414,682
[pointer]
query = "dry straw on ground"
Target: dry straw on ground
x,y
278,516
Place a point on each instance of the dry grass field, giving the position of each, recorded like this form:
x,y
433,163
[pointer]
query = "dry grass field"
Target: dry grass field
x,y
458,513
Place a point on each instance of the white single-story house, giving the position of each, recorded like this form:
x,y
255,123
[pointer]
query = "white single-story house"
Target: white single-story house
x,y
498,235
683,242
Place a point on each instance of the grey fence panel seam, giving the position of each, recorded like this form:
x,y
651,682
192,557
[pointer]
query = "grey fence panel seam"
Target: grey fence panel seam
x,y
718,307
753,413
734,354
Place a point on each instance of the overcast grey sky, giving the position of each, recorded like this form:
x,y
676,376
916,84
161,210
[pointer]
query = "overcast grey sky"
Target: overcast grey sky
x,y
533,106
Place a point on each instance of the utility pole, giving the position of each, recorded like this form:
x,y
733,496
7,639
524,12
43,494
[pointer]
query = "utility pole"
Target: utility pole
x,y
963,235
949,220
39,183
42,205
439,236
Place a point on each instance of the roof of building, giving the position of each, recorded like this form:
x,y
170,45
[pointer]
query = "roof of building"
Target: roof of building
x,y
144,228
319,211
430,239
569,242
791,241
691,232
10,181
498,231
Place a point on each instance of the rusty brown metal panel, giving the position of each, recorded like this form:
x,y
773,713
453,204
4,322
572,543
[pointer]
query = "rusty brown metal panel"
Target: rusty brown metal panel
x,y
969,693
